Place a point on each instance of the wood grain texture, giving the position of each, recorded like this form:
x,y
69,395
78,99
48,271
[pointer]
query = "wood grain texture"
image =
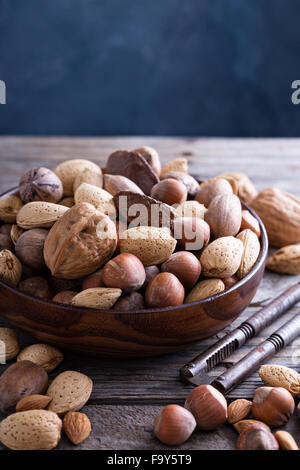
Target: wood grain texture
x,y
126,396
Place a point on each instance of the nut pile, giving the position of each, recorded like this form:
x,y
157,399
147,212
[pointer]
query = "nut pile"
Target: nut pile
x,y
206,409
34,408
136,235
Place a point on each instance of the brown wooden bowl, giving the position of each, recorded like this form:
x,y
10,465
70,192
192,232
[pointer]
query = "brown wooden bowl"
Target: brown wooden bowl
x,y
148,332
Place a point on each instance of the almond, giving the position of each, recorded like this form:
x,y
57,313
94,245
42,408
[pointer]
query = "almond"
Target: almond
x,y
98,197
10,268
274,375
222,257
77,426
15,233
224,215
9,344
9,208
83,233
280,212
178,164
250,253
238,410
43,355
89,175
102,298
31,430
286,440
116,183
286,260
152,245
68,170
69,391
204,289
33,402
244,424
248,221
246,190
40,214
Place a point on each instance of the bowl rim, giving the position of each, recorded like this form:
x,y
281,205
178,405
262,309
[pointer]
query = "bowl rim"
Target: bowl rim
x,y
259,263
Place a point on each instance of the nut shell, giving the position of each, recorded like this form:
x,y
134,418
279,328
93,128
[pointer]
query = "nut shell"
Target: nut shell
x,y
98,197
39,214
152,245
64,297
89,175
21,379
164,290
36,286
272,405
43,355
274,375
174,425
250,222
37,430
10,268
256,437
125,271
246,190
204,289
151,156
169,191
131,302
224,215
82,233
178,164
30,247
185,266
250,253
222,257
9,208
191,233
116,183
102,298
192,186
212,188
68,170
286,260
208,406
40,184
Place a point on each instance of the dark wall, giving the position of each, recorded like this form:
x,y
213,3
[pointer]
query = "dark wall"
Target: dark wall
x,y
177,67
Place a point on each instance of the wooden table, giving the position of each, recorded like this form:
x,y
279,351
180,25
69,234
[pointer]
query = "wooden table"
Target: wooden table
x,y
128,394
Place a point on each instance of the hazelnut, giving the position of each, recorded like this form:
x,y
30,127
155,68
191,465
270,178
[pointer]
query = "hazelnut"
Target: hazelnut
x,y
174,425
125,271
151,272
94,280
30,246
151,156
208,406
230,281
212,188
169,191
185,266
191,233
250,222
164,290
130,302
272,405
6,242
36,286
192,186
65,297
40,184
257,437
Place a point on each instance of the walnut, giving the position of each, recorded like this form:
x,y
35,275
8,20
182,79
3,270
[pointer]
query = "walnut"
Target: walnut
x,y
40,184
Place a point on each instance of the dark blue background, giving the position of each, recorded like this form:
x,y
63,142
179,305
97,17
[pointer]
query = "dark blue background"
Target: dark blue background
x,y
176,67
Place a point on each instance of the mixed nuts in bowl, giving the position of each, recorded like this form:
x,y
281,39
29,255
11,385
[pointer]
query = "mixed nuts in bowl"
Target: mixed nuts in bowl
x,y
133,259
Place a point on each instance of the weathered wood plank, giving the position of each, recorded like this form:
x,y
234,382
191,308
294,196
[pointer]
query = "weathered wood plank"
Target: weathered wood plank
x,y
119,421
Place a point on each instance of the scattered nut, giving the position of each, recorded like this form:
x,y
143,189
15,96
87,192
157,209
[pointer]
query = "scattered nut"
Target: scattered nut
x,y
77,426
241,426
208,406
238,410
174,425
33,402
272,405
286,440
256,437
286,260
274,375
43,355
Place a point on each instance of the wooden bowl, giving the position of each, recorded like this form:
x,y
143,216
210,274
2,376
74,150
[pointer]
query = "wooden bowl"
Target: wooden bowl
x,y
148,332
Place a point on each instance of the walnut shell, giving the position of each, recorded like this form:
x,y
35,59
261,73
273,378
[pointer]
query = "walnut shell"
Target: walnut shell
x,y
40,184
68,170
10,268
80,242
9,208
